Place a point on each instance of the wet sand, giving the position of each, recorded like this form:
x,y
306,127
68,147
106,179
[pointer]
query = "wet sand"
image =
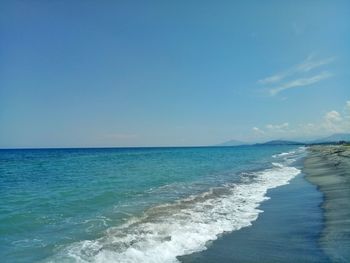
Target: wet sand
x,y
328,167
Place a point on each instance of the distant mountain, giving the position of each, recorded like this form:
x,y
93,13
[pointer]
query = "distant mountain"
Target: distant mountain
x,y
333,138
232,143
280,142
330,139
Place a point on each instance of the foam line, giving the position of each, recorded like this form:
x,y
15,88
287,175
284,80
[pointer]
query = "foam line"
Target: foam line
x,y
170,230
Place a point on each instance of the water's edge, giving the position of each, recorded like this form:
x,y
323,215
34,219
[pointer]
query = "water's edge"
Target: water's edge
x,y
158,205
287,231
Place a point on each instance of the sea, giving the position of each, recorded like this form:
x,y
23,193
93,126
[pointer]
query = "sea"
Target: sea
x,y
135,204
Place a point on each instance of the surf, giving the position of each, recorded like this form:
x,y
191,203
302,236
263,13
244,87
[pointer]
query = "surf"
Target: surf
x,y
187,225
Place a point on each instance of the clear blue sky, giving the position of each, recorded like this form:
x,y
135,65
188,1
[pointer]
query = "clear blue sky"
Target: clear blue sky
x,y
156,73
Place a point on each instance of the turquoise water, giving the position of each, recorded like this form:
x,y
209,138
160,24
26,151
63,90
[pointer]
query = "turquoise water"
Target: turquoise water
x,y
131,204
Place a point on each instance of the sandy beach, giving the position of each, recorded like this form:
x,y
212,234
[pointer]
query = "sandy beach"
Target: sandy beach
x,y
328,167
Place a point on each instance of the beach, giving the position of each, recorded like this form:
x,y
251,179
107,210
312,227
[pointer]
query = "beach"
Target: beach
x,y
287,231
328,167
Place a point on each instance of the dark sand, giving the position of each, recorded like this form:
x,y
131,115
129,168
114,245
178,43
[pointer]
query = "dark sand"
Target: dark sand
x,y
328,167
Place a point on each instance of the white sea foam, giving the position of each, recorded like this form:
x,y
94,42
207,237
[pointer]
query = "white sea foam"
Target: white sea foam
x,y
280,155
171,230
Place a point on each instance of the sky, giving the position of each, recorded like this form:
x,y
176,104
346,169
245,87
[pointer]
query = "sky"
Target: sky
x,y
172,73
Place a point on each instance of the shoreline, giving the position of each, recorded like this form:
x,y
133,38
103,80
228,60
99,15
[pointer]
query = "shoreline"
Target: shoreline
x,y
328,168
287,231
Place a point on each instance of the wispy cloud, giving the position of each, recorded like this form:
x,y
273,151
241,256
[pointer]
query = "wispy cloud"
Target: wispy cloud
x,y
310,63
296,76
301,82
273,79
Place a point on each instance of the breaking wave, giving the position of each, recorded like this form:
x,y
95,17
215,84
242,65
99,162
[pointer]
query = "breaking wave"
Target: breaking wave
x,y
167,231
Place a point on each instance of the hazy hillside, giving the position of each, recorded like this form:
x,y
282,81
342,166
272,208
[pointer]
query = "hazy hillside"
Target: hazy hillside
x,y
333,138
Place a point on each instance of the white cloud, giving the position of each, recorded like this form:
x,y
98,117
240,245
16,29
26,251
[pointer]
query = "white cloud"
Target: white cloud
x,y
310,63
333,122
333,116
347,108
330,122
278,127
258,131
301,82
295,76
273,79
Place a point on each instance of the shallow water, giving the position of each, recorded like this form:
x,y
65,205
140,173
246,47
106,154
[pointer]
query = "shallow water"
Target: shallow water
x,y
131,205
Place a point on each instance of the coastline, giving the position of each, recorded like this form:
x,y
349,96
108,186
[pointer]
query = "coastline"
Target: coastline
x,y
294,222
328,167
287,231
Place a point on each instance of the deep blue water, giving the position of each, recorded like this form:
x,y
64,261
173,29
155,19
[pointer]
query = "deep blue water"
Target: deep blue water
x,y
131,204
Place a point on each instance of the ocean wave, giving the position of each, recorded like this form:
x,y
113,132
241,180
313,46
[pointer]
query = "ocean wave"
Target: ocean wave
x,y
282,154
289,157
167,231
